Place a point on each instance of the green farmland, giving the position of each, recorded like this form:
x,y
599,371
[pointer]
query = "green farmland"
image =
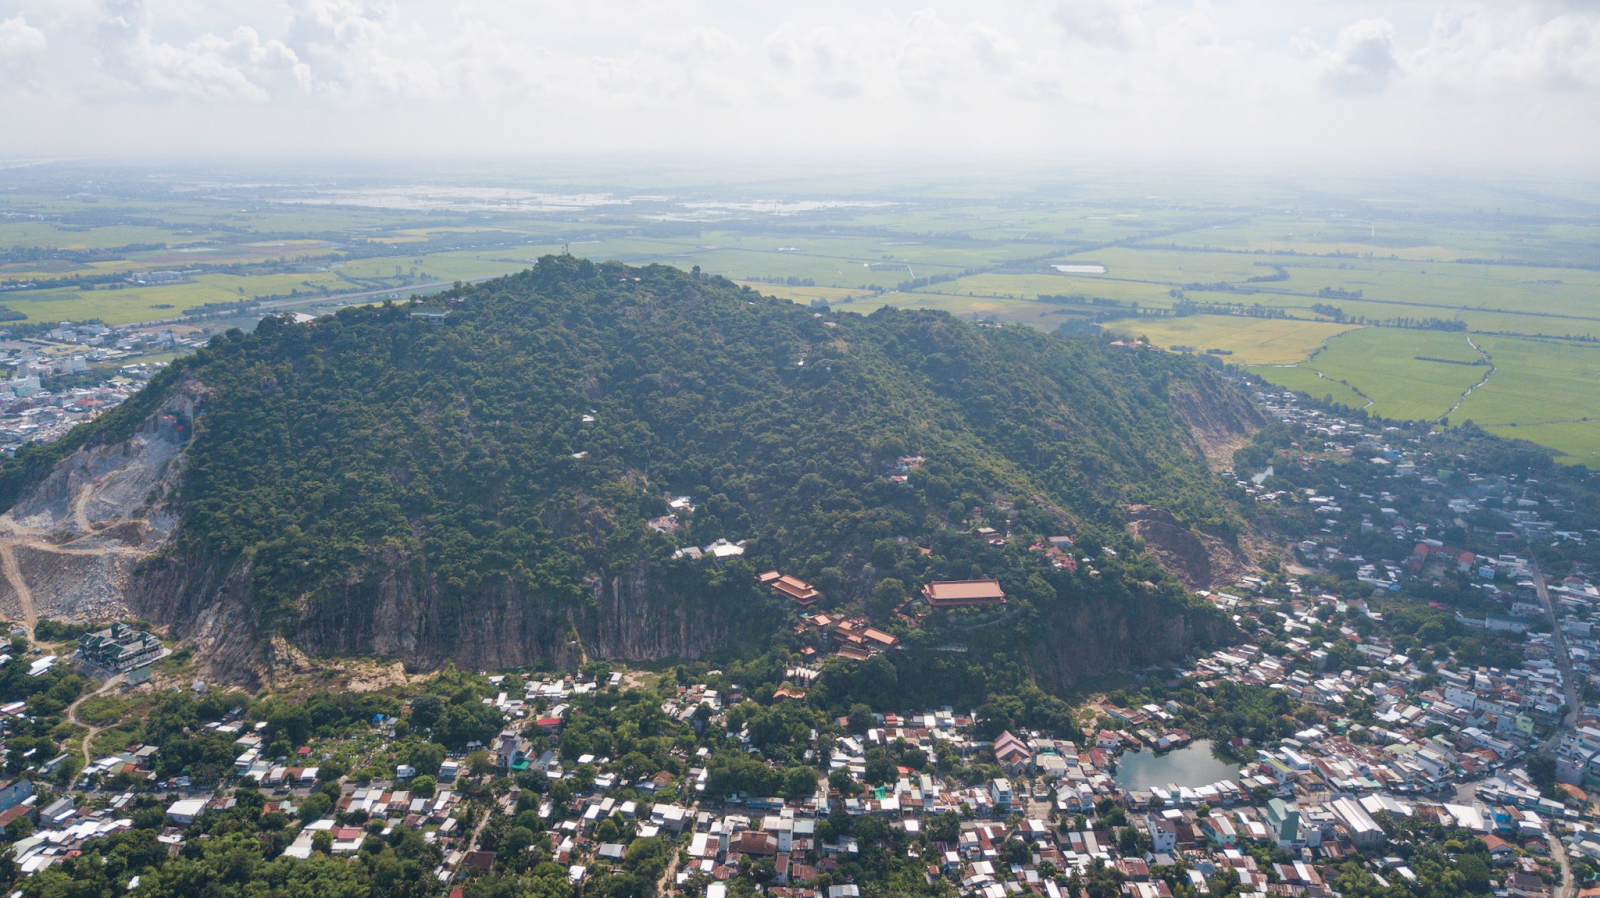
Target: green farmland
x,y
1364,291
1250,341
1406,375
1305,380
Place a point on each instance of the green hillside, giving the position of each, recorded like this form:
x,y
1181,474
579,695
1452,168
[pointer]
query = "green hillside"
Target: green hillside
x,y
375,472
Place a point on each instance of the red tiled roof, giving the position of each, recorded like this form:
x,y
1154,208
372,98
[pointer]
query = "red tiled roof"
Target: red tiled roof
x,y
953,593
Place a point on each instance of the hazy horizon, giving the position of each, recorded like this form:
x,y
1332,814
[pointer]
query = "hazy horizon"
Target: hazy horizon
x,y
1447,84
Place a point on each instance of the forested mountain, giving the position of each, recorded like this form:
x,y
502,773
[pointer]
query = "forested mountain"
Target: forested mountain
x,y
477,487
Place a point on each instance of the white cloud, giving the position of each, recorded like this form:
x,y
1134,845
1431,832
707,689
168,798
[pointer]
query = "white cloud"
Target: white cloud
x,y
933,56
485,61
353,51
239,67
823,60
1085,75
1363,60
1113,23
1488,50
922,57
19,40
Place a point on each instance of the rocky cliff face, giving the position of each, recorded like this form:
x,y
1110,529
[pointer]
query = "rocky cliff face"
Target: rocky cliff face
x,y
401,615
1200,559
1219,419
93,540
626,615
1089,638
71,543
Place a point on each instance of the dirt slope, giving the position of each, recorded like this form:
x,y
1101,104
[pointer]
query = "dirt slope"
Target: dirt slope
x,y
69,545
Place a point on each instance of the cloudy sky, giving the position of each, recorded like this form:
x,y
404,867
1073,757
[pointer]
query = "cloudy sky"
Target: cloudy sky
x,y
1512,83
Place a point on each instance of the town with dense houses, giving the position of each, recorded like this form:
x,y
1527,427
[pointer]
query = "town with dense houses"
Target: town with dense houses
x,y
71,373
1412,705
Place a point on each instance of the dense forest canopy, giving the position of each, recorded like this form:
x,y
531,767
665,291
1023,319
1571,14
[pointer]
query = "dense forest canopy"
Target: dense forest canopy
x,y
524,441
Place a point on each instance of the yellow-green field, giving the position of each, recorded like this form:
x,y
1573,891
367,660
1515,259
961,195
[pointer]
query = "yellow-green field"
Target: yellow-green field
x,y
1380,258
1542,390
803,294
1307,381
1252,341
30,233
1032,286
1045,316
466,265
1411,374
127,306
1546,391
1387,364
1578,441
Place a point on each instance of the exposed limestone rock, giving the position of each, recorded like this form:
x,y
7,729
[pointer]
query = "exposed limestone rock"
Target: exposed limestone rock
x,y
71,544
1219,421
1090,638
90,541
1200,560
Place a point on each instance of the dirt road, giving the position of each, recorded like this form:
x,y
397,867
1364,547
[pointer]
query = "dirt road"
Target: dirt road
x,y
15,535
93,731
19,585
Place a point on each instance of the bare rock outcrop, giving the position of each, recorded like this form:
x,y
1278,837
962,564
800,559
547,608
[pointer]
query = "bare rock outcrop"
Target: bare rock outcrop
x,y
1219,420
71,543
1199,559
94,539
1090,638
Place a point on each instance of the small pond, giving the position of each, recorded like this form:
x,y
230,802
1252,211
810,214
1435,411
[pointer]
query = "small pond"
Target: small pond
x,y
1190,767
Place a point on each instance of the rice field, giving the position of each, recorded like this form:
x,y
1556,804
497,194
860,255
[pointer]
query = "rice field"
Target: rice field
x,y
1577,441
1381,255
1544,390
1398,369
804,295
1537,381
1032,286
1251,341
1307,381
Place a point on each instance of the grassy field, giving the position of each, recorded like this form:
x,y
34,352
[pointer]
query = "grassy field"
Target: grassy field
x,y
1409,374
465,265
129,306
1307,381
1578,441
803,294
1173,268
1253,341
1044,316
1393,367
1512,263
1537,381
29,233
1543,390
1031,286
1410,240
1424,289
959,306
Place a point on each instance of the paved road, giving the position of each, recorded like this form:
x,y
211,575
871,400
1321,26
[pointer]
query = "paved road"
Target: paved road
x,y
1559,852
389,291
1568,723
1563,662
